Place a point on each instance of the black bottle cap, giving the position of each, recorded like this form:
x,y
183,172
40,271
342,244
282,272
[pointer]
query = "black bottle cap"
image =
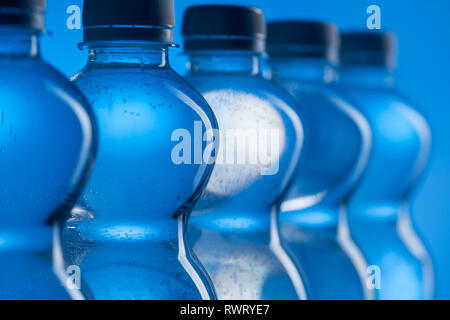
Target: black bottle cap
x,y
303,38
28,13
140,20
368,48
222,27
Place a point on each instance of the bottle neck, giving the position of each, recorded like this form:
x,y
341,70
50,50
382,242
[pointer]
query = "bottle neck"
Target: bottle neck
x,y
246,62
19,41
303,69
366,76
133,54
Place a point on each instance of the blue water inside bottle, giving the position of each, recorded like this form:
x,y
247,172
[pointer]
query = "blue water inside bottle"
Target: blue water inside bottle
x,y
378,213
47,143
127,233
234,229
335,153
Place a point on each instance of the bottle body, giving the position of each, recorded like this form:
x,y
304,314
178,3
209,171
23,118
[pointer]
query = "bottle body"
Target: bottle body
x,y
127,233
47,145
378,213
234,229
337,142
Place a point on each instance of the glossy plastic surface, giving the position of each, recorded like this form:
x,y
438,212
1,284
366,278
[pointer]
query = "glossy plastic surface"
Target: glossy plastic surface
x,y
337,144
127,233
378,213
234,230
47,143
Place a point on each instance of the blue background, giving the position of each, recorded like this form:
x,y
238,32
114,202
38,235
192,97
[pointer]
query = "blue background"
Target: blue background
x,y
423,74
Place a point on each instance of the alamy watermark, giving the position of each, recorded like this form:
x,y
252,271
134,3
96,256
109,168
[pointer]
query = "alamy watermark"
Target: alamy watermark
x,y
374,277
374,20
73,21
254,147
73,278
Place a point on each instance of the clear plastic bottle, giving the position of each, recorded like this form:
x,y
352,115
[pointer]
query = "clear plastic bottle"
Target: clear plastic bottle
x,y
378,213
303,59
127,233
47,144
234,229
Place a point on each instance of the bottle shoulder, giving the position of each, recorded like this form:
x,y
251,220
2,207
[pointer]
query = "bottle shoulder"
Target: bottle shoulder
x,y
252,108
255,84
152,87
235,93
154,119
335,131
20,67
390,114
38,78
321,102
401,144
49,138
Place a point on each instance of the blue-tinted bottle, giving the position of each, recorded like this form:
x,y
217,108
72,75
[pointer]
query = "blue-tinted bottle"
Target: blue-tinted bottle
x,y
47,143
303,57
234,229
127,233
378,213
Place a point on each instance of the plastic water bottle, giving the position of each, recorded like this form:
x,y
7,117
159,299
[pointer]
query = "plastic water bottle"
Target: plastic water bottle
x,y
47,143
127,233
234,229
303,59
378,214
